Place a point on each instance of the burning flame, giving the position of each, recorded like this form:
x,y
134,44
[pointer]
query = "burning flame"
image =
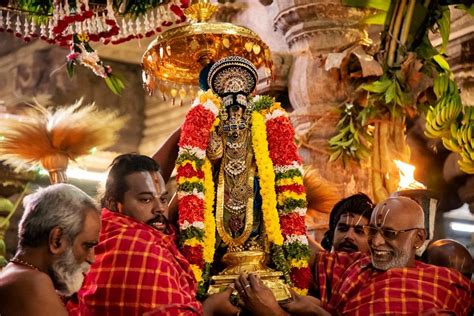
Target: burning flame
x,y
407,180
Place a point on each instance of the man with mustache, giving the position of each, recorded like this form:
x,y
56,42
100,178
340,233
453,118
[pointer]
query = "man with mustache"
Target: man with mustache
x,y
57,235
138,268
346,222
389,281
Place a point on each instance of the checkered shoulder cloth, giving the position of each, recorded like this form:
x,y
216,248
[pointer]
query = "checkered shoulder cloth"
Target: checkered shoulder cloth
x,y
138,271
350,285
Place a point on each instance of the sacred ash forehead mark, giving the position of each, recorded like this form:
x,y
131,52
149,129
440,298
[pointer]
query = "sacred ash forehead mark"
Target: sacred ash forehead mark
x,y
350,217
154,176
158,183
380,215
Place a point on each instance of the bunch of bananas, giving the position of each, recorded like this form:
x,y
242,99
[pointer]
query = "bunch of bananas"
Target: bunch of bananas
x,y
440,117
460,140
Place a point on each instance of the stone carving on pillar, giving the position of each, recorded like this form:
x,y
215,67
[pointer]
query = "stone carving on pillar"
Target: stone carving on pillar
x,y
227,10
313,29
277,86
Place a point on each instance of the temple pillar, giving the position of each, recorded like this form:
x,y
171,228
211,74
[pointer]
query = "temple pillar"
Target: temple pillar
x,y
312,29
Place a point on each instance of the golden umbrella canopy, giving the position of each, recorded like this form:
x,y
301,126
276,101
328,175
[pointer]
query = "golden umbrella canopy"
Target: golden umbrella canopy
x,y
178,55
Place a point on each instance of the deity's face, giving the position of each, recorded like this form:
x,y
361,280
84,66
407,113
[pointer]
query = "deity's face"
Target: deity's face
x,y
236,112
349,235
68,271
146,200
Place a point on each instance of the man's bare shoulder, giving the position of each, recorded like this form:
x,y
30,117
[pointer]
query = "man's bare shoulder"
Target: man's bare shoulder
x,y
27,292
18,278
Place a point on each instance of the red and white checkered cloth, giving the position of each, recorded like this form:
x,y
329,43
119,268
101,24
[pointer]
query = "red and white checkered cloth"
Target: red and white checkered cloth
x,y
349,285
138,270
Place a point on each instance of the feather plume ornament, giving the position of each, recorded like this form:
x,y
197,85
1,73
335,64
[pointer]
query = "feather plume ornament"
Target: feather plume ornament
x,y
51,137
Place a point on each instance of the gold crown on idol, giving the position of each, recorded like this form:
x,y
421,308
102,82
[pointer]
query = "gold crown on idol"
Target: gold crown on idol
x,y
232,75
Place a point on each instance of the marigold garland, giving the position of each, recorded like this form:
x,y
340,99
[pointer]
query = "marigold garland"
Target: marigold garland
x,y
209,222
267,179
281,188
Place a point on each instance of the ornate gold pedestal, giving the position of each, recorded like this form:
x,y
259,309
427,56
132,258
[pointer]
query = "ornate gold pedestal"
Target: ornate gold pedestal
x,y
249,262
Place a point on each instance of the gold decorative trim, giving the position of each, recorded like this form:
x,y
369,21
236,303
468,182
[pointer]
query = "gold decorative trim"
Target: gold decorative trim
x,y
179,54
228,240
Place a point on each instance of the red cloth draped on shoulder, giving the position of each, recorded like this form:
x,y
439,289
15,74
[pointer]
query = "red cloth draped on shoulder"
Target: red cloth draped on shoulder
x,y
137,270
349,285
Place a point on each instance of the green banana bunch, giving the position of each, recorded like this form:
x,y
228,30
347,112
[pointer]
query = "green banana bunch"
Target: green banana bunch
x,y
460,140
446,110
464,137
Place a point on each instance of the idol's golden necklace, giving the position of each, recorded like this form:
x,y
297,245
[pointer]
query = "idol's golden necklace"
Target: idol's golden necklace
x,y
235,189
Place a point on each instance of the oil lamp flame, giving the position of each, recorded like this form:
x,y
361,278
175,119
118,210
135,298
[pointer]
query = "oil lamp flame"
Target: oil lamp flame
x,y
407,180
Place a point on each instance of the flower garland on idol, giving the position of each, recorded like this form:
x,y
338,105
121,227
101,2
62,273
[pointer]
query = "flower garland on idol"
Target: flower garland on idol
x,y
281,182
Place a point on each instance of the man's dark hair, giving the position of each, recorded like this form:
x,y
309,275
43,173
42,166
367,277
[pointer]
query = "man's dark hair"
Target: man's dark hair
x,y
122,166
359,204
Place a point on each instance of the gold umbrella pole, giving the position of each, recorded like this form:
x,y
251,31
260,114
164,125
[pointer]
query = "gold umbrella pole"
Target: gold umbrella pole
x,y
56,164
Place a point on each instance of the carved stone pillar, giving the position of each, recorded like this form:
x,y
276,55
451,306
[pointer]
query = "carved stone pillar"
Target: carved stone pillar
x,y
312,29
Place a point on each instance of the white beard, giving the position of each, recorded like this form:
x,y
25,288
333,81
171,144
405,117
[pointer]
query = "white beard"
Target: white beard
x,y
68,274
400,259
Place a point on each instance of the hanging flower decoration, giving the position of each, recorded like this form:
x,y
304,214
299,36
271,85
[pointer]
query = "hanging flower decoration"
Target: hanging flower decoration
x,y
83,54
60,21
114,21
281,182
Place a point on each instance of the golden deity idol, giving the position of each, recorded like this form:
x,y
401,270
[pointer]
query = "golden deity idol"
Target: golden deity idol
x,y
241,195
238,211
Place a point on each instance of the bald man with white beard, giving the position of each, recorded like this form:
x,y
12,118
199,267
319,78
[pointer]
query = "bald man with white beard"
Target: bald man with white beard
x,y
389,281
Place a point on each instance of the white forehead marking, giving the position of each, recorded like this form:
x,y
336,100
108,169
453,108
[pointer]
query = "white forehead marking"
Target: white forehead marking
x,y
358,221
377,215
347,219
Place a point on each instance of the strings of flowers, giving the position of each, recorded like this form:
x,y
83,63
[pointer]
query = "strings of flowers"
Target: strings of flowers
x,y
83,54
108,21
290,192
194,178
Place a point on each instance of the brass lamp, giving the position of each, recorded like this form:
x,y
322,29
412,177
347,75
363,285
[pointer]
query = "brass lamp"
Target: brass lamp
x,y
178,55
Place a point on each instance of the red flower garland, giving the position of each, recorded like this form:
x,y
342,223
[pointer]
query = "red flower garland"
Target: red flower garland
x,y
192,136
292,224
301,277
187,206
187,171
193,255
297,188
280,135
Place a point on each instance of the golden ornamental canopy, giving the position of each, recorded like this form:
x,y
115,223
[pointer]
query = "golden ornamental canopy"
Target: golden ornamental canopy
x,y
178,55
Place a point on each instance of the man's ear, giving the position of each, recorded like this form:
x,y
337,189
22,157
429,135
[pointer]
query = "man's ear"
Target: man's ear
x,y
57,243
420,238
